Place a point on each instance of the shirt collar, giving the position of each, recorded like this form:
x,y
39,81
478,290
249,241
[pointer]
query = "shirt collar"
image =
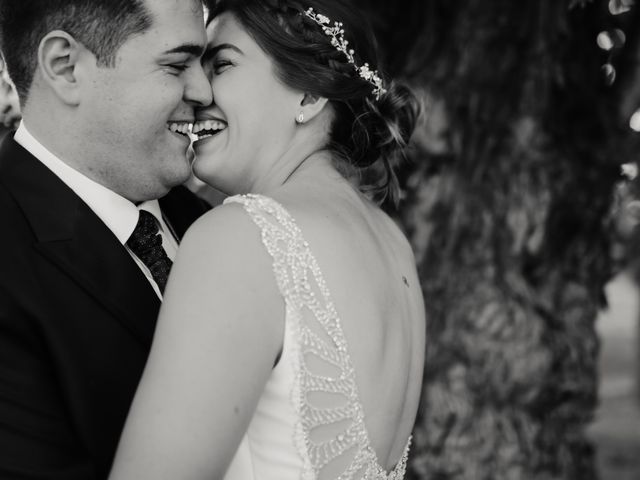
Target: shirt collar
x,y
116,212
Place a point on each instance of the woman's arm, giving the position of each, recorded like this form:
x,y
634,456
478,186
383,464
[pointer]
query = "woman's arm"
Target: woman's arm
x,y
220,330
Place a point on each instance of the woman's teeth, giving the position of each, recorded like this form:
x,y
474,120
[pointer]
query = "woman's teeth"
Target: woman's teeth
x,y
207,128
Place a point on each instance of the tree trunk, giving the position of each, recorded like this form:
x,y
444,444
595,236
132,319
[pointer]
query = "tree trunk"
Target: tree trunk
x,y
507,206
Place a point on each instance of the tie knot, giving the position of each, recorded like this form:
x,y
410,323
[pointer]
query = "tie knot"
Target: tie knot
x,y
146,243
145,235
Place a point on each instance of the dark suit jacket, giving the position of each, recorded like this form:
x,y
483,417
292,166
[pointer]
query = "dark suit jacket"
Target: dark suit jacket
x,y
76,322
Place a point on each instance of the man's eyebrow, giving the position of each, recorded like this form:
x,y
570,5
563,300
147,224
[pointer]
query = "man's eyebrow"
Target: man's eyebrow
x,y
194,49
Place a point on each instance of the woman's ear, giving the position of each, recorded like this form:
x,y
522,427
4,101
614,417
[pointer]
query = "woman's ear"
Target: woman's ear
x,y
310,107
58,55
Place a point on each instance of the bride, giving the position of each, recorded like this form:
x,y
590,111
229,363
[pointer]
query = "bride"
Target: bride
x,y
291,339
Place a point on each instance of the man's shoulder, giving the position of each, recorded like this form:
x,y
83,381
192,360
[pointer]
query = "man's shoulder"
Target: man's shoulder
x,y
9,148
181,195
10,211
182,207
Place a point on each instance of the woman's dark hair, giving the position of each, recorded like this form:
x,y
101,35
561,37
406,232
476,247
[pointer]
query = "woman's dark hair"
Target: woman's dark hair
x,y
101,25
368,134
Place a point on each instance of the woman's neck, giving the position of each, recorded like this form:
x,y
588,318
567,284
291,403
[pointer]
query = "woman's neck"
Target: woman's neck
x,y
293,164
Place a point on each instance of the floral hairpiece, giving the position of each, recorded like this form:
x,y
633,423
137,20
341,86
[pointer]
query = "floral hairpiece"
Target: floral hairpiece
x,y
336,32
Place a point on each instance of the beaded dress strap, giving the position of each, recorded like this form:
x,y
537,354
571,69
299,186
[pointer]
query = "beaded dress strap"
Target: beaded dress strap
x,y
330,427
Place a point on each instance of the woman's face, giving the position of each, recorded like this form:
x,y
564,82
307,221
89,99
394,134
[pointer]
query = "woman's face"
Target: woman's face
x,y
251,122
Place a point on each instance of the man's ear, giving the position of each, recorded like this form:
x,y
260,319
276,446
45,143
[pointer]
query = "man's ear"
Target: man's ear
x,y
311,106
58,55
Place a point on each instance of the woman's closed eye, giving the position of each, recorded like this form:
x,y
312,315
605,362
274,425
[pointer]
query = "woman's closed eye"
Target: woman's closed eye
x,y
221,65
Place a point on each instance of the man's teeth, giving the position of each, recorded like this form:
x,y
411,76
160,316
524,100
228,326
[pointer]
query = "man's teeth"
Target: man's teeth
x,y
182,128
208,128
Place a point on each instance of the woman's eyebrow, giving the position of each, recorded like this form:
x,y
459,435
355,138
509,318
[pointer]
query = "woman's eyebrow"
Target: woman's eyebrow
x,y
215,49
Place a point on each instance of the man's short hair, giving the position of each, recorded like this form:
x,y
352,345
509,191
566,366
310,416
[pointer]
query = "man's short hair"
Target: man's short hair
x,y
102,26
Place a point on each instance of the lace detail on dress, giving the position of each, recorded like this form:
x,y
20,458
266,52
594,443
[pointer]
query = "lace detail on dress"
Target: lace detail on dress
x,y
331,435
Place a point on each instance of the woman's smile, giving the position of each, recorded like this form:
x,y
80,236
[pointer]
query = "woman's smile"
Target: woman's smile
x,y
208,127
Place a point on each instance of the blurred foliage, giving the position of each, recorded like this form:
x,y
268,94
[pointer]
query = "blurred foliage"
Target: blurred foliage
x,y
9,104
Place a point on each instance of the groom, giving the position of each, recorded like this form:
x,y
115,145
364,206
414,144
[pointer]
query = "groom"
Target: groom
x,y
107,89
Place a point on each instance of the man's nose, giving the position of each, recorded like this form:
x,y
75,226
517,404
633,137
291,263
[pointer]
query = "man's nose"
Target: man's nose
x,y
198,89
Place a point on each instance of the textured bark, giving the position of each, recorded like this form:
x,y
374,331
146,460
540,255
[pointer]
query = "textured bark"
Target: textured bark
x,y
507,209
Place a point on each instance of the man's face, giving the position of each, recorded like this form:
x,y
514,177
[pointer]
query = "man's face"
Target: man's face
x,y
134,116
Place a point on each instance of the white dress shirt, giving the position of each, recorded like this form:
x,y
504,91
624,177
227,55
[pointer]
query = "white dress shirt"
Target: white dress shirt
x,y
116,212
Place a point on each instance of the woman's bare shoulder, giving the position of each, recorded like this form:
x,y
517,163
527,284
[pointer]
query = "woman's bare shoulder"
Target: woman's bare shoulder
x,y
222,222
223,251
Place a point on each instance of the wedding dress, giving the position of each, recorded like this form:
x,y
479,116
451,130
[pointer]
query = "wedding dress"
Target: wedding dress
x,y
309,422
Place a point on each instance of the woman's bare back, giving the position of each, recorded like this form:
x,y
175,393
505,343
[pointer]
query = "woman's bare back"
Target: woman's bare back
x,y
370,273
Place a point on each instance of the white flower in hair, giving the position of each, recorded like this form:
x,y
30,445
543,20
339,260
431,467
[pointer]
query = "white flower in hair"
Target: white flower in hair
x,y
365,72
336,32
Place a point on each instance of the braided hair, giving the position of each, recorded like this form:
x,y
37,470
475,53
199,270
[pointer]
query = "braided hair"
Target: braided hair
x,y
367,135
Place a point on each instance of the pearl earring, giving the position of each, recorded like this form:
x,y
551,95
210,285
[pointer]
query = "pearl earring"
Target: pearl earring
x,y
300,118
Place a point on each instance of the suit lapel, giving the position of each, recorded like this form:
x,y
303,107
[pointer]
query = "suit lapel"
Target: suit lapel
x,y
71,236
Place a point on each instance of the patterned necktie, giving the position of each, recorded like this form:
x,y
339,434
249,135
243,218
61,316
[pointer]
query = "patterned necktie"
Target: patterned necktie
x,y
146,243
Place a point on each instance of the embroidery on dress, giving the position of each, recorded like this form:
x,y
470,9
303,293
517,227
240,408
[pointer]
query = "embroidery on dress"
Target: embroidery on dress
x,y
331,435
